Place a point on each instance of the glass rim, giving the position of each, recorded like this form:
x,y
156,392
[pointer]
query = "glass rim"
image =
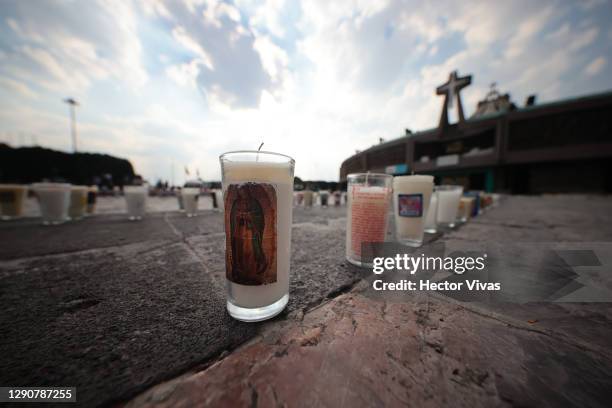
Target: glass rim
x,y
374,175
415,177
134,187
13,185
449,187
50,186
227,155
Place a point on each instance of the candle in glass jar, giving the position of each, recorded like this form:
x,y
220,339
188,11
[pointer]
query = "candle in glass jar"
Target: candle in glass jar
x,y
54,200
369,196
258,194
448,204
12,198
411,196
431,220
465,209
78,202
308,198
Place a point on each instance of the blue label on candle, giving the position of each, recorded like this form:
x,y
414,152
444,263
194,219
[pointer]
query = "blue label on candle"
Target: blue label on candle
x,y
410,205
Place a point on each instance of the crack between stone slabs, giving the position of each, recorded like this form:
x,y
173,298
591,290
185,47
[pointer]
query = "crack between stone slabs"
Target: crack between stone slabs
x,y
515,226
519,325
191,250
14,263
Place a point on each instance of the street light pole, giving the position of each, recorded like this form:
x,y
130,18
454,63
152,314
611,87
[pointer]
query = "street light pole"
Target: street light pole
x,y
72,103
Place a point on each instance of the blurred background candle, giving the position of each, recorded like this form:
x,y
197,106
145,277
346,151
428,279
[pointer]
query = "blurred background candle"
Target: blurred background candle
x,y
369,196
411,196
190,200
432,214
465,209
78,202
308,198
219,199
136,201
448,204
54,200
12,198
179,199
258,194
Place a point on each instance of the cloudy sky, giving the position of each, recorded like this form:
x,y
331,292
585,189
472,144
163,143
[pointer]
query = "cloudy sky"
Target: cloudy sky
x,y
177,83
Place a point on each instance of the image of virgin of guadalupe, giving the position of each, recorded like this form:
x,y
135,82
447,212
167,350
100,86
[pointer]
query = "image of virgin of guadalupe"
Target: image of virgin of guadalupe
x,y
250,224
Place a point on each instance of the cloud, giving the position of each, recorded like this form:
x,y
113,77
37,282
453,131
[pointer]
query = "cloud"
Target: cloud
x,y
230,70
584,39
18,87
70,47
184,81
526,31
596,66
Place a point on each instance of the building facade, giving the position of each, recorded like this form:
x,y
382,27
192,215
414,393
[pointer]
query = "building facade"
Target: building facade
x,y
564,146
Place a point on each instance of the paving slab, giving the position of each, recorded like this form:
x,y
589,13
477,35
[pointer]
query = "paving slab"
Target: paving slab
x,y
355,351
120,309
423,349
112,321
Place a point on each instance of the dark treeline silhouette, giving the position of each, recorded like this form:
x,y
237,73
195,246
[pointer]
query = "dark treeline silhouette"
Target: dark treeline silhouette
x,y
33,164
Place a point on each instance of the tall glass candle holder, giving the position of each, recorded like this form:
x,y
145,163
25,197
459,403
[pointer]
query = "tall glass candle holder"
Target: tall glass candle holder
x,y
78,202
411,196
369,196
54,200
12,199
431,220
190,200
448,204
136,201
258,194
465,209
308,198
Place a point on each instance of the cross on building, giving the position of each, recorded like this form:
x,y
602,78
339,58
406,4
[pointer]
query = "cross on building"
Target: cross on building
x,y
451,89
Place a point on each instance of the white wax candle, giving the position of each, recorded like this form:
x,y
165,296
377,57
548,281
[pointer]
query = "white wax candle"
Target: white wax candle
x,y
432,214
54,200
78,202
190,200
448,205
367,218
465,208
219,199
411,196
308,198
278,175
12,197
136,201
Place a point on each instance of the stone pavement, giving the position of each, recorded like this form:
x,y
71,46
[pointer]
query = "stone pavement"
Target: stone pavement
x,y
134,313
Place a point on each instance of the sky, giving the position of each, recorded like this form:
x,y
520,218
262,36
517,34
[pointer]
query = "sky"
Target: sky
x,y
174,84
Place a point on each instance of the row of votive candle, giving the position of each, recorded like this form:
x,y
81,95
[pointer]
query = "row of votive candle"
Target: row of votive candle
x,y
61,202
418,207
58,202
308,198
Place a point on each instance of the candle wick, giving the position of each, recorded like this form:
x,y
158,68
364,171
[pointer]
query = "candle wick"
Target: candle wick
x,y
260,146
258,150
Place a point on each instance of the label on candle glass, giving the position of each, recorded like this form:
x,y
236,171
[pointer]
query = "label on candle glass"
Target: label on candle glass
x,y
368,215
250,231
410,205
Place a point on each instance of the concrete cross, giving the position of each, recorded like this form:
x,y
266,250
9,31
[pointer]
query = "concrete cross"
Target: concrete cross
x,y
451,89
